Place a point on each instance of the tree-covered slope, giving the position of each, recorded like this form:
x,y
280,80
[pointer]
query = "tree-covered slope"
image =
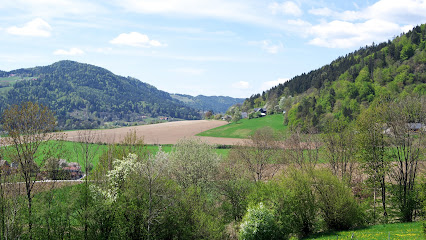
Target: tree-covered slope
x,y
85,93
349,84
217,104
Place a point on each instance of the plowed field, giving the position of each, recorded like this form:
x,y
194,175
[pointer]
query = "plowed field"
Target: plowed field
x,y
162,133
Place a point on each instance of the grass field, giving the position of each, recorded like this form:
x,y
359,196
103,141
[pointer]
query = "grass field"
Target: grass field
x,y
246,127
67,150
412,231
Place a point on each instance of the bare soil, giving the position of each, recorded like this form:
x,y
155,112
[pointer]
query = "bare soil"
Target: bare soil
x,y
162,133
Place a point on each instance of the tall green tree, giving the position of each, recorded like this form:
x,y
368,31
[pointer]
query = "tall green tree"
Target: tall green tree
x,y
372,145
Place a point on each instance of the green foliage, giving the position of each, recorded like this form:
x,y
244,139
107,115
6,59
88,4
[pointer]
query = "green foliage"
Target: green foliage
x,y
336,202
259,223
218,104
194,163
300,202
348,84
84,96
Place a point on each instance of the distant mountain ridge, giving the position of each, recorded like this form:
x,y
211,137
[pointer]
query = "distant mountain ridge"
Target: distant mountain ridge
x,y
217,104
85,96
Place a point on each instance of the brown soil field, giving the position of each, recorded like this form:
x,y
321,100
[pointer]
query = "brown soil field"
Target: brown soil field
x,y
162,133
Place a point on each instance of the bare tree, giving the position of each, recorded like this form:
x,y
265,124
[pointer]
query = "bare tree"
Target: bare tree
x,y
29,126
340,149
303,149
406,119
261,154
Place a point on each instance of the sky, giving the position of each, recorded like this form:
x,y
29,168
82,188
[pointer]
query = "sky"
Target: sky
x,y
211,47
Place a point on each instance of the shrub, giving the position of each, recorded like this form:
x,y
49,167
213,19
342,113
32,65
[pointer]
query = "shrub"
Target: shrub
x,y
259,223
337,205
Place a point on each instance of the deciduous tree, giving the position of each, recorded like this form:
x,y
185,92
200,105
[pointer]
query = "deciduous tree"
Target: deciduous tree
x,y
29,126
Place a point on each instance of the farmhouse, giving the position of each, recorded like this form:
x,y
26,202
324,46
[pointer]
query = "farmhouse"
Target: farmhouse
x,y
262,111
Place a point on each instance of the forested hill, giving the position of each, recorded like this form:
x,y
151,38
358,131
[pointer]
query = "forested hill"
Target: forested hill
x,y
89,95
217,104
349,84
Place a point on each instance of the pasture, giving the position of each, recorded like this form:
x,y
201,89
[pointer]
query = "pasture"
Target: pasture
x,y
246,127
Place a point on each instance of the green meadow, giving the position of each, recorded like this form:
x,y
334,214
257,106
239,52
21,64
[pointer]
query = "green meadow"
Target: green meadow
x,y
66,150
246,127
412,231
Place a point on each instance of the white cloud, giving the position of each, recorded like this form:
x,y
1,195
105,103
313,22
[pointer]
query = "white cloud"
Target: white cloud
x,y
324,12
269,84
376,23
35,28
135,39
53,8
269,46
70,52
287,8
250,11
241,85
189,71
341,34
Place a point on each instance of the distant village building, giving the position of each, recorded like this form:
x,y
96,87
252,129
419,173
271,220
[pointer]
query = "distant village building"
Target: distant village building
x,y
226,118
262,111
244,115
417,127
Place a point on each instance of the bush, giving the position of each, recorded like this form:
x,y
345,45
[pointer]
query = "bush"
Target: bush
x,y
259,223
337,205
301,199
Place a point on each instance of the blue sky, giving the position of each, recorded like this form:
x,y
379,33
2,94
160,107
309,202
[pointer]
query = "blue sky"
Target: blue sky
x,y
212,47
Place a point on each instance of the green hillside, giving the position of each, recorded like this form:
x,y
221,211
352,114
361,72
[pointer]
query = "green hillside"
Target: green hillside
x,y
246,127
217,104
86,96
349,84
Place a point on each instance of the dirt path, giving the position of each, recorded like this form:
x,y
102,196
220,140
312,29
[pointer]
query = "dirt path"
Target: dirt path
x,y
162,133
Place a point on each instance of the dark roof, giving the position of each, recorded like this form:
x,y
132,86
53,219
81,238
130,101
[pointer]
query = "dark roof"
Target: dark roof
x,y
259,110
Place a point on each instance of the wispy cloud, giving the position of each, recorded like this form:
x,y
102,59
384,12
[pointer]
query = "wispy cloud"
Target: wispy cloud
x,y
35,28
268,46
287,8
241,85
136,39
269,84
247,11
53,8
70,52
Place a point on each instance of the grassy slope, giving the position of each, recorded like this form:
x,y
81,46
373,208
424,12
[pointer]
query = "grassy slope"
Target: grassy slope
x,y
245,127
393,231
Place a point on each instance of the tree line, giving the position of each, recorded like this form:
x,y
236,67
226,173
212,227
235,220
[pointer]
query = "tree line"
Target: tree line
x,y
348,85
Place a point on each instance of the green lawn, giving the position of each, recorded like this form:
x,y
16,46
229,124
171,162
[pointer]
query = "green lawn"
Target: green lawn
x,y
410,231
246,127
